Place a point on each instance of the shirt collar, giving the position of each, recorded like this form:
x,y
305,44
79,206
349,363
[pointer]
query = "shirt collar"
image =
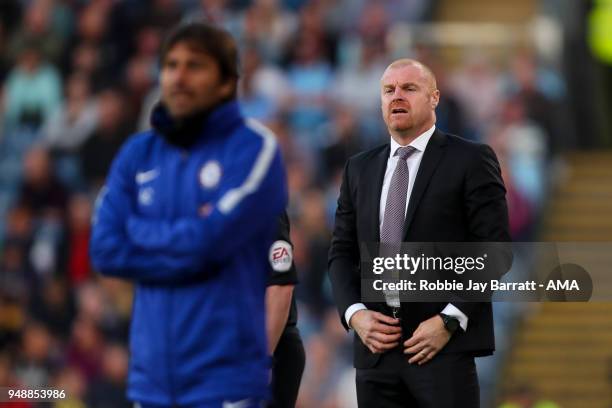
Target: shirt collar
x,y
420,143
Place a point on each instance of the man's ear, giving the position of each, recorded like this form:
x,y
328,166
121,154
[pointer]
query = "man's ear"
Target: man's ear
x,y
435,98
227,88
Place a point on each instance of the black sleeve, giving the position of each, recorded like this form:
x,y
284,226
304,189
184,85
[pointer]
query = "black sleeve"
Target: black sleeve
x,y
344,252
282,267
485,199
487,214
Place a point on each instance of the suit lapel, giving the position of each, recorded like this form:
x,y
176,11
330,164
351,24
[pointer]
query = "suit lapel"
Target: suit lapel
x,y
431,157
374,176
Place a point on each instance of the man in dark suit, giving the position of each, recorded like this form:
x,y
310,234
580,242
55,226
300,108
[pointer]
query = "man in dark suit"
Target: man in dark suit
x,y
423,186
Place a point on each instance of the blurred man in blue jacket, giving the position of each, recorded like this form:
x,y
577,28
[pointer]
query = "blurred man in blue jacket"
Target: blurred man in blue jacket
x,y
189,212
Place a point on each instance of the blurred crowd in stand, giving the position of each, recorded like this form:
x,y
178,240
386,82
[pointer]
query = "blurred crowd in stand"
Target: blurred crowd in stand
x,y
78,77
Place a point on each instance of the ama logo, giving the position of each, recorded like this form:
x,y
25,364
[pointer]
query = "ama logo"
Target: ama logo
x,y
280,256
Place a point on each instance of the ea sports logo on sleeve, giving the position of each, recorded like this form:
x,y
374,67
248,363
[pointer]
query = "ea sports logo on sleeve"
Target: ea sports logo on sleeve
x,y
281,256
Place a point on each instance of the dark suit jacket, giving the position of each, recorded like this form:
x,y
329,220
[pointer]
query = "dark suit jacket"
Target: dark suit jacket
x,y
458,196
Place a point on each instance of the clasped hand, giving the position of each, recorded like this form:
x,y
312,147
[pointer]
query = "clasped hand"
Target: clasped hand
x,y
377,331
381,333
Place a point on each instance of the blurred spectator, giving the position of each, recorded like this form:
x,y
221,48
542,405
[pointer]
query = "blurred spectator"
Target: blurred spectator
x,y
92,23
62,19
259,87
313,266
86,59
72,123
106,303
374,22
83,352
71,381
16,278
299,179
92,303
38,32
32,90
161,14
76,252
520,212
213,11
41,192
523,143
114,126
345,139
141,70
310,77
535,92
55,306
450,115
312,17
16,275
93,52
392,11
12,320
36,358
45,198
109,389
527,73
357,88
139,77
147,42
477,85
268,28
300,161
325,364
7,379
117,300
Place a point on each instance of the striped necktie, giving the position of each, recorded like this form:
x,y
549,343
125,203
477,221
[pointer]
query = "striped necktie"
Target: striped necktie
x,y
395,214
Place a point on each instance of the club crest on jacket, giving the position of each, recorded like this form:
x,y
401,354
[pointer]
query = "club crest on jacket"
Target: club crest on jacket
x,y
210,174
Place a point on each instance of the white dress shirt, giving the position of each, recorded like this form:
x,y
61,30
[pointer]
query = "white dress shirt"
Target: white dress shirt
x,y
413,161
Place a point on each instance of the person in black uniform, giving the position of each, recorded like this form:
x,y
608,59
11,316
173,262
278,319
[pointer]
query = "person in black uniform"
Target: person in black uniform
x,y
284,341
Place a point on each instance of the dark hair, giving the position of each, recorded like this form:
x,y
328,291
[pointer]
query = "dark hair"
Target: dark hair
x,y
211,40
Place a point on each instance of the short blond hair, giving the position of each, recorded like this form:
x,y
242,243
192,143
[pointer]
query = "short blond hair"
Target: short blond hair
x,y
409,61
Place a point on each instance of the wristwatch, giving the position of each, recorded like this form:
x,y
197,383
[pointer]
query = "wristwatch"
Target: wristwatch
x,y
451,323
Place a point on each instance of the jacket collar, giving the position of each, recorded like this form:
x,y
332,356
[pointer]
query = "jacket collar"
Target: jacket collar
x,y
195,129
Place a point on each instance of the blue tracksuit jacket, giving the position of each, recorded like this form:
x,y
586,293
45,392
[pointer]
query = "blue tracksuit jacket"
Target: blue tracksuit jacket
x,y
192,228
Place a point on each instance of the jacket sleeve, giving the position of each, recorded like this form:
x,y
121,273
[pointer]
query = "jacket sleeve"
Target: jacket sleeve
x,y
252,195
485,199
111,251
344,252
279,275
487,214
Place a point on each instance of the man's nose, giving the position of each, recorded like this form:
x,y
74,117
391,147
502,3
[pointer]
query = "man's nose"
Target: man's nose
x,y
398,97
398,94
178,75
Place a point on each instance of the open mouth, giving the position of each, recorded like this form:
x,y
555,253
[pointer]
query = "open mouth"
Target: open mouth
x,y
399,110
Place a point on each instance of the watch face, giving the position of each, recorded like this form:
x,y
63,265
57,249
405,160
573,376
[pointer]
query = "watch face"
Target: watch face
x,y
451,323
